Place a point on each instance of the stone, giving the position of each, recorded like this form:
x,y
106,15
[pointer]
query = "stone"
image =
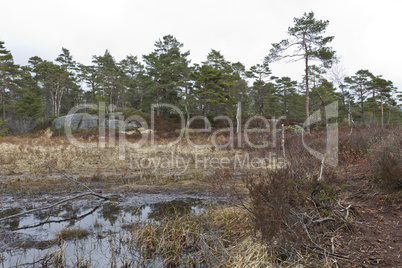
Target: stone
x,y
115,115
73,121
88,122
131,126
113,123
116,124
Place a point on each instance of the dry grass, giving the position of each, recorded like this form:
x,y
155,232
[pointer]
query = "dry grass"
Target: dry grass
x,y
26,164
69,233
31,156
220,237
194,239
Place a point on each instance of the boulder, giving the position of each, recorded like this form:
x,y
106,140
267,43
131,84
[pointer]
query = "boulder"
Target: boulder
x,y
116,124
87,122
131,126
115,115
113,123
73,121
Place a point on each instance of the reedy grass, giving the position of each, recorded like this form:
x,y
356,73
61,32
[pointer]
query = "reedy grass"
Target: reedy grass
x,y
193,239
69,233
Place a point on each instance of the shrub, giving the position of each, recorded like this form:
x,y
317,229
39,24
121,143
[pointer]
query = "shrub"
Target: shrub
x,y
272,200
45,123
127,112
386,157
292,210
21,125
3,130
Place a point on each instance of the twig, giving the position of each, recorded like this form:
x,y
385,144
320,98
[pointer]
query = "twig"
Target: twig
x,y
347,212
322,168
324,219
345,208
53,205
324,252
71,179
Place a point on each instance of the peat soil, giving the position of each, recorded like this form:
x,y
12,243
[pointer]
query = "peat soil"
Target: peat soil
x,y
375,239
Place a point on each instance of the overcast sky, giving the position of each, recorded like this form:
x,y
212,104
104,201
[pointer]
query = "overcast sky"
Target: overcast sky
x,y
367,33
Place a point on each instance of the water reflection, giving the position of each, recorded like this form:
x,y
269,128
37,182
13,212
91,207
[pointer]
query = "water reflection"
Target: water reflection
x,y
12,223
110,211
103,213
174,208
100,218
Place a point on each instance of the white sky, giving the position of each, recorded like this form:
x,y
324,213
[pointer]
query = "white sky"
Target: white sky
x,y
367,33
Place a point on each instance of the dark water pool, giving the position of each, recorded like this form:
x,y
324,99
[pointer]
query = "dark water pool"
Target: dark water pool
x,y
28,239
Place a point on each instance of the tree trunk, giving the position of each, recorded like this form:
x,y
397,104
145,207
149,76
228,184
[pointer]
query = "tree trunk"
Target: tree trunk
x,y
285,110
307,88
261,106
205,108
238,118
3,96
389,115
59,97
344,103
374,105
205,114
307,97
186,108
382,111
362,104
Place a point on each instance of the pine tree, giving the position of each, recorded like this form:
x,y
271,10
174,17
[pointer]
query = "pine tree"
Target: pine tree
x,y
108,78
49,77
384,88
360,84
260,72
218,83
168,68
132,76
286,89
3,129
30,105
68,78
306,37
89,75
8,70
210,86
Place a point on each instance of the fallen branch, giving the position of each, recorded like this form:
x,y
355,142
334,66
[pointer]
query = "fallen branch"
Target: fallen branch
x,y
345,208
71,179
324,252
58,221
324,219
322,168
53,205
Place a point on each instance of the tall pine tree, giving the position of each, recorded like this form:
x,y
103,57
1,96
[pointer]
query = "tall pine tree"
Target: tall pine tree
x,y
309,45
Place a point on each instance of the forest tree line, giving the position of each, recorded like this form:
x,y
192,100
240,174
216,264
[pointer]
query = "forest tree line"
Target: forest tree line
x,y
43,89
